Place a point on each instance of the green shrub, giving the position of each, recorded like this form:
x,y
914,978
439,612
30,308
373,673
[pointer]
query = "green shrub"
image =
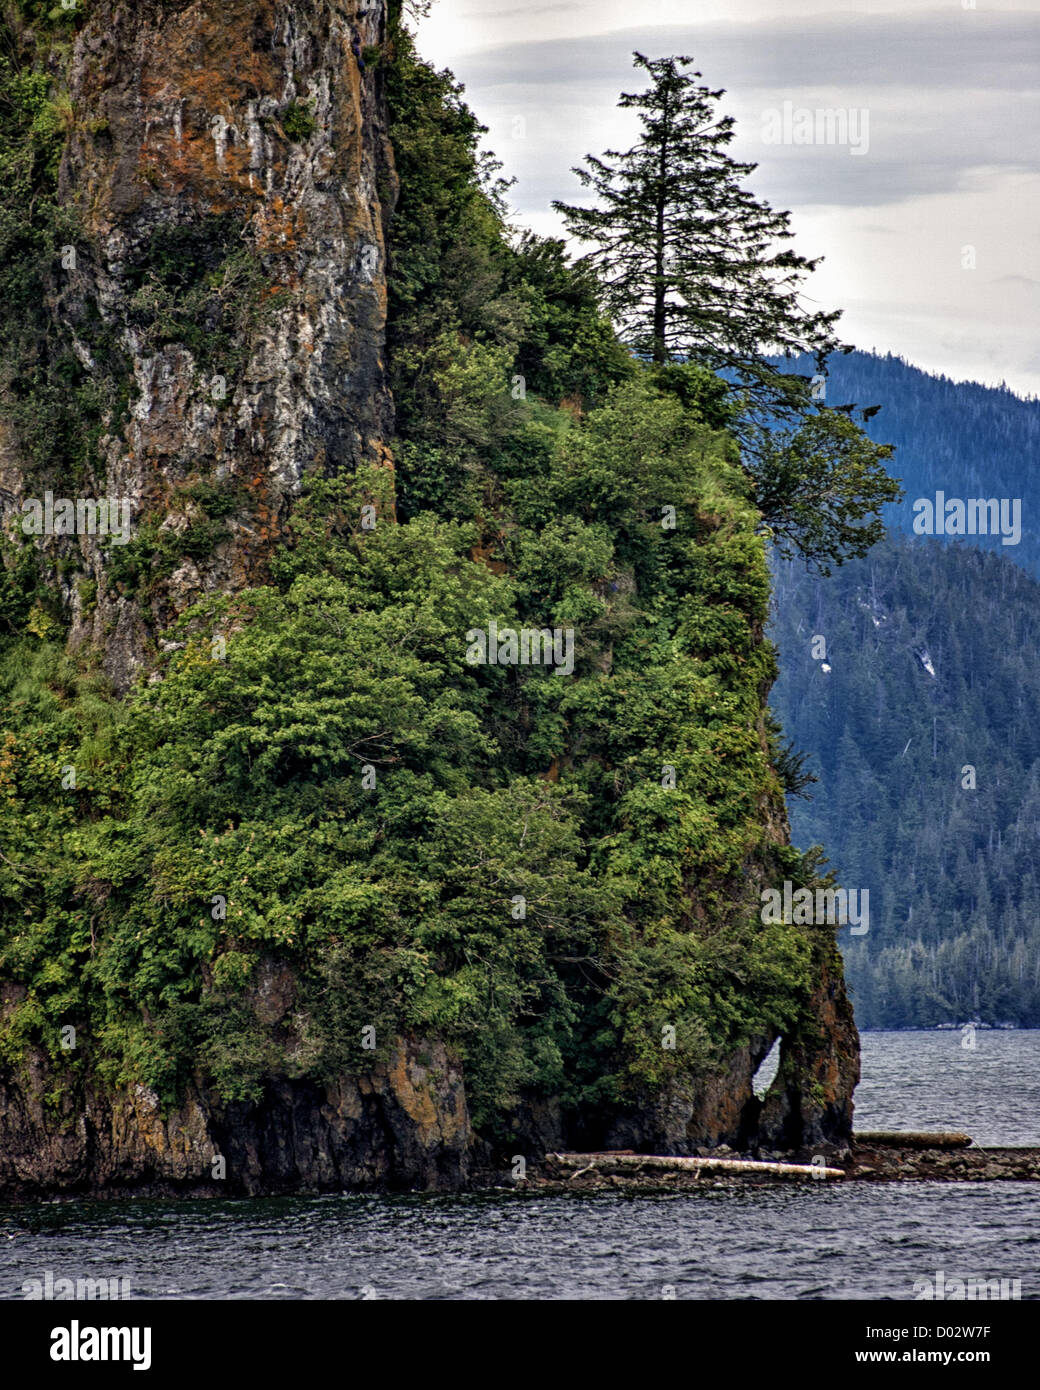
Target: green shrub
x,y
298,121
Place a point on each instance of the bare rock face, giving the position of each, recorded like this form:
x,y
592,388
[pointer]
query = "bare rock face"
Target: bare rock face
x,y
809,1104
808,1107
688,1114
403,1125
230,171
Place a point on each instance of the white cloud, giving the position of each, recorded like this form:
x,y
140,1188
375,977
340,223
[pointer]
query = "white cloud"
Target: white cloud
x,y
953,97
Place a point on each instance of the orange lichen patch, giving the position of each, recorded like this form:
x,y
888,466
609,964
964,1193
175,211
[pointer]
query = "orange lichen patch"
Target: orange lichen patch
x,y
380,296
278,228
482,554
214,44
268,527
193,169
184,97
413,1093
380,452
190,167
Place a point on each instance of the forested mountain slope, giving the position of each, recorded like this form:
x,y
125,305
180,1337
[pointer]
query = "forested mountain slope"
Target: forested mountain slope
x,y
911,678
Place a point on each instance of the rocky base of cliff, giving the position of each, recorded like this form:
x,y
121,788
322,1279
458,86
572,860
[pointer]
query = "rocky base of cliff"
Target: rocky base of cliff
x,y
884,1164
858,1162
404,1125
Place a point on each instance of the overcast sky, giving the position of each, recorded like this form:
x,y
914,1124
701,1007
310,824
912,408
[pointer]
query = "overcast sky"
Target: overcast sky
x,y
945,108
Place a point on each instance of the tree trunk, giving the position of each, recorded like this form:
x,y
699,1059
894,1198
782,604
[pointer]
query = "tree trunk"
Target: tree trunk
x,y
660,326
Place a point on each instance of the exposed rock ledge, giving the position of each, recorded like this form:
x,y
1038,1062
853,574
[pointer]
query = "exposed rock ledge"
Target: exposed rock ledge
x,y
872,1163
404,1125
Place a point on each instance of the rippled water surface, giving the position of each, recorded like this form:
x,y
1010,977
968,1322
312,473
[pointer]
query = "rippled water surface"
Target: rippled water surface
x,y
813,1241
931,1081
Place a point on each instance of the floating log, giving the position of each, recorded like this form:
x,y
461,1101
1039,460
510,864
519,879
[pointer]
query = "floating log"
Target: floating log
x,y
628,1162
911,1139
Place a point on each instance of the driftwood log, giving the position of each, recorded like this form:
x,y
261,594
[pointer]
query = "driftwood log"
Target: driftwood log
x,y
911,1139
606,1162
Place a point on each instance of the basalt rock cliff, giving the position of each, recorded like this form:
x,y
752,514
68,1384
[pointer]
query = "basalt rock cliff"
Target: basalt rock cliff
x,y
225,185
247,140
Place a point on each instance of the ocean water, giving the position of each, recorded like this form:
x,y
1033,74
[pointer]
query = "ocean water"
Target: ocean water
x,y
817,1241
932,1081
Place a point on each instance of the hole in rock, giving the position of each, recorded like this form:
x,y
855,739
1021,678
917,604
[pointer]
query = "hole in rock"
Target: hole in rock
x,y
763,1078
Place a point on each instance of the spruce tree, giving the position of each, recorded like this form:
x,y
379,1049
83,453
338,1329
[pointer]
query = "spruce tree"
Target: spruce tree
x,y
693,265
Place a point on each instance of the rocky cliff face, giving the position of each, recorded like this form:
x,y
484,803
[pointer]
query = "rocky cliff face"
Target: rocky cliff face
x,y
404,1125
229,170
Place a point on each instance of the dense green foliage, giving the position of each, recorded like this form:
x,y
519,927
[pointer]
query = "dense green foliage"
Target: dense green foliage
x,y
476,322
545,870
821,487
244,777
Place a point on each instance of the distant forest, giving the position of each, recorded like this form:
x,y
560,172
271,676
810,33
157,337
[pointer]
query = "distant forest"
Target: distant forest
x,y
951,436
919,713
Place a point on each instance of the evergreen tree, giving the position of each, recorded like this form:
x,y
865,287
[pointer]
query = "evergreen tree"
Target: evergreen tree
x,y
688,256
693,265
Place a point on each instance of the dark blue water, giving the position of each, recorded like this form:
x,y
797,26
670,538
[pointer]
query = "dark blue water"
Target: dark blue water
x,y
817,1241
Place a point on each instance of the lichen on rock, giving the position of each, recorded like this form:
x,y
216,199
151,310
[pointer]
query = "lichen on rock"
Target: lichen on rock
x,y
238,272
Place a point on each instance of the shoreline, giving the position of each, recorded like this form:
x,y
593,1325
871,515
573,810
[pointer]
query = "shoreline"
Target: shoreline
x,y
861,1162
642,1174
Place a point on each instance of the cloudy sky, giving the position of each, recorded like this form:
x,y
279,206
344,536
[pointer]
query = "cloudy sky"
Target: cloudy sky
x,y
944,107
